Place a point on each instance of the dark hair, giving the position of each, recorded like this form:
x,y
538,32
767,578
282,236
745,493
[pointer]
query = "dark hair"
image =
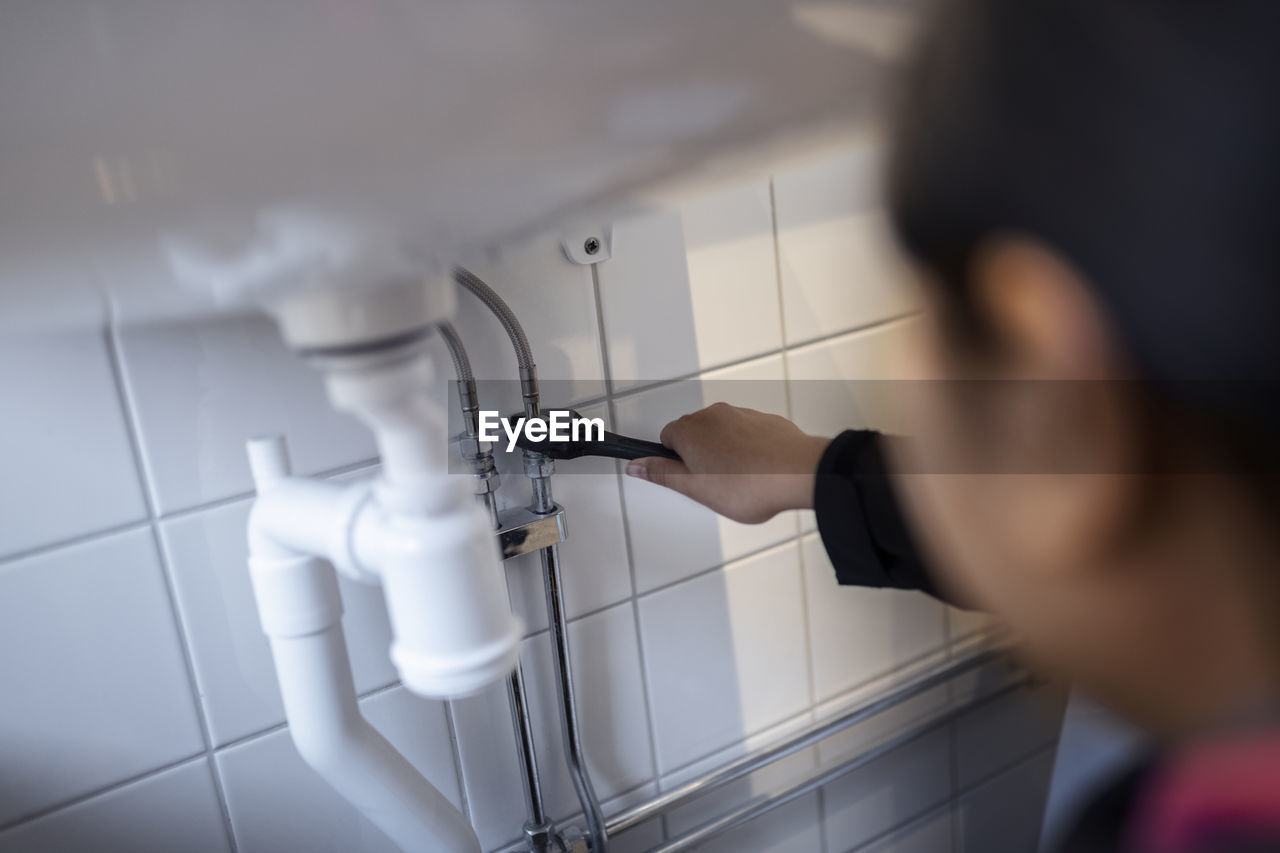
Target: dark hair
x,y
1141,140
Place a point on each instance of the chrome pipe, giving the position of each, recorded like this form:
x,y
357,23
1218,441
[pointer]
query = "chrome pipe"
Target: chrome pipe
x,y
811,734
542,500
524,750
490,502
538,468
536,824
574,755
768,802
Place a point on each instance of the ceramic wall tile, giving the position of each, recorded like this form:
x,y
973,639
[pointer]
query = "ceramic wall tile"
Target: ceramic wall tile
x,y
176,809
840,267
649,327
851,382
672,537
887,792
1005,813
857,634
725,655
64,409
96,689
201,389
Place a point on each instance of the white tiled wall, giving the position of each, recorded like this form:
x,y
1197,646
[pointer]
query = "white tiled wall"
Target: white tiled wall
x,y
138,706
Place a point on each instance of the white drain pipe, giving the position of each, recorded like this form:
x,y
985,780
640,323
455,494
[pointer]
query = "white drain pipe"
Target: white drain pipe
x,y
301,612
416,531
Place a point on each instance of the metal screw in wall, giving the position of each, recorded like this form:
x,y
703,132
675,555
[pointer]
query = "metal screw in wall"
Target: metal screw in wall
x,y
591,246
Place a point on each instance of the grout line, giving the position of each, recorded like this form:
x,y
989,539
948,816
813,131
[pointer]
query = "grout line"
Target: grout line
x,y
782,315
153,517
120,784
251,737
953,754
749,555
777,268
822,819
953,749
810,662
957,825
909,823
890,679
741,741
349,468
130,411
606,369
276,727
852,330
124,396
605,366
378,690
516,845
811,666
73,541
645,693
184,643
1005,768
778,545
954,762
207,506
633,390
457,760
701,373
218,503
576,811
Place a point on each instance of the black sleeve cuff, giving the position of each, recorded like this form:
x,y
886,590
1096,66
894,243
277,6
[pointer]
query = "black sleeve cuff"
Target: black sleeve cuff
x,y
841,519
859,520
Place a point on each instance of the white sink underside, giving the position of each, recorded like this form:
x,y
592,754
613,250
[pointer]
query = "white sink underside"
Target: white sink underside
x,y
455,125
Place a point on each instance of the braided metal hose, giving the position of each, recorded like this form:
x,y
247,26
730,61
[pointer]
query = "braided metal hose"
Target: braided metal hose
x,y
457,352
500,309
468,399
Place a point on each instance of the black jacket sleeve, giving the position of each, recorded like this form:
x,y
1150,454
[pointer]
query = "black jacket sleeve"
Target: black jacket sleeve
x,y
861,524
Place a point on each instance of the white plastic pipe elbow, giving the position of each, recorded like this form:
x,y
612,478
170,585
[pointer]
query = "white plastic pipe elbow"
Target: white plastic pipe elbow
x,y
340,745
295,526
301,612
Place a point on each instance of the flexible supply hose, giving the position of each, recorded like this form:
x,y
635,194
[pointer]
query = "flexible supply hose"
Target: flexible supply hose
x,y
457,352
500,309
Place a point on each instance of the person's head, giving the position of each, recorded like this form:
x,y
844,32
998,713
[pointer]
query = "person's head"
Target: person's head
x,y
1092,190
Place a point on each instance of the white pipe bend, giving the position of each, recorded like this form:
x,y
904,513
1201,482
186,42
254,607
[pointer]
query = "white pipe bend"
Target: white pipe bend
x,y
297,530
454,633
342,747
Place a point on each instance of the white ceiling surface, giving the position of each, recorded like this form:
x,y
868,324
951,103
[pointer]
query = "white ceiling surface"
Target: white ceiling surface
x,y
448,126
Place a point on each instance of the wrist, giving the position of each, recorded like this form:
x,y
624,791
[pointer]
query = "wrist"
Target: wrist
x,y
804,472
